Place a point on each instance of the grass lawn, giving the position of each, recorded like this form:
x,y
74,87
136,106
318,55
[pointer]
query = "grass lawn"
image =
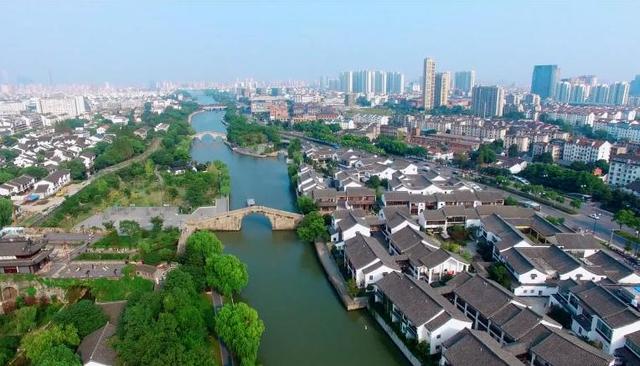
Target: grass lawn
x,y
153,247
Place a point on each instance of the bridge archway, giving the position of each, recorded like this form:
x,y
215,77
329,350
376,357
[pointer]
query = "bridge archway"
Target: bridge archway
x,y
232,221
213,134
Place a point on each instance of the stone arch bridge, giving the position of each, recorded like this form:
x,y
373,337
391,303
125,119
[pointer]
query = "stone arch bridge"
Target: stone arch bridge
x,y
213,134
232,221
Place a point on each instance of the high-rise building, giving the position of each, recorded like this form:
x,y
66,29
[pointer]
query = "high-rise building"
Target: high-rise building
x,y
619,93
441,89
589,80
544,80
563,92
464,81
634,89
363,82
380,82
395,83
71,107
428,83
579,93
487,101
599,94
346,81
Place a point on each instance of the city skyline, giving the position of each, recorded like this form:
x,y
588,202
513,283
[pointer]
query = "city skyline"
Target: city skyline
x,y
195,41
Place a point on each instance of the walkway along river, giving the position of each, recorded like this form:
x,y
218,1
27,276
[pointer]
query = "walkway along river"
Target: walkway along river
x,y
305,322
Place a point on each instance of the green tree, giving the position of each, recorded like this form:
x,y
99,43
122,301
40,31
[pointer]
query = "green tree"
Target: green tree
x,y
625,217
510,201
499,273
306,205
84,315
201,245
6,212
226,273
77,169
545,158
239,326
157,222
38,344
312,227
576,203
24,319
130,228
513,152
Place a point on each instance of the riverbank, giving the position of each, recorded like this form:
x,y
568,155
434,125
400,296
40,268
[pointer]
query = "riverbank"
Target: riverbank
x,y
288,285
336,279
194,114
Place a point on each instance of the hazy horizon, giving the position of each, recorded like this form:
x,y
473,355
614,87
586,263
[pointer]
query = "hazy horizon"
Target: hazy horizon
x,y
139,42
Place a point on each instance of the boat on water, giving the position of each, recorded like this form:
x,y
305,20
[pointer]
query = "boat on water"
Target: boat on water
x,y
251,202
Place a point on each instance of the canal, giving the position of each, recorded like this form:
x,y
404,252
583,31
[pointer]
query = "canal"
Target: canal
x,y
306,323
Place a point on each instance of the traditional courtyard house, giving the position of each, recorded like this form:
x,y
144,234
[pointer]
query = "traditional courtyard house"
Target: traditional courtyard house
x,y
366,260
396,218
421,312
598,314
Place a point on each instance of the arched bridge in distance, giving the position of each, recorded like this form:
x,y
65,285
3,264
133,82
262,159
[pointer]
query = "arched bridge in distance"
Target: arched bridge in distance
x,y
213,107
213,134
232,221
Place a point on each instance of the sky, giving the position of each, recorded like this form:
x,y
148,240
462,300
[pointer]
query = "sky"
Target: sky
x,y
128,42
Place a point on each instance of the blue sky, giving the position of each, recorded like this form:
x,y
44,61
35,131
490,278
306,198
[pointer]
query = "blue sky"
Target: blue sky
x,y
140,41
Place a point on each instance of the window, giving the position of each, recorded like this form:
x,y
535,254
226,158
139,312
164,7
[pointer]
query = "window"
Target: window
x,y
438,336
370,277
533,276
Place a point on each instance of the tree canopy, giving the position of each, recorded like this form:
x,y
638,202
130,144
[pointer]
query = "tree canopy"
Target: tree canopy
x,y
312,227
84,315
6,212
226,273
52,346
239,326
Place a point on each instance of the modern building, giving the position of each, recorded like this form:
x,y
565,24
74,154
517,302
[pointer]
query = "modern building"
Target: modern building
x,y
619,93
623,169
441,90
544,80
464,81
379,82
428,83
487,101
599,94
634,87
363,81
71,107
395,83
563,92
346,81
586,150
579,93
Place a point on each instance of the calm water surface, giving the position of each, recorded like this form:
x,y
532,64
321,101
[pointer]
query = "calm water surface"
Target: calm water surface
x,y
305,322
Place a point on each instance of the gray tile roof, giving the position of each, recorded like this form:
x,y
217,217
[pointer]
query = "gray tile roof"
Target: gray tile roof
x,y
417,300
473,347
559,349
362,250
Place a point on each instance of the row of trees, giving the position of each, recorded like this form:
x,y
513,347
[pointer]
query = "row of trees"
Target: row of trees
x,y
55,345
237,324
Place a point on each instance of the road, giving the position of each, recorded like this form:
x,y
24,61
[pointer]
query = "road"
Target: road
x,y
225,354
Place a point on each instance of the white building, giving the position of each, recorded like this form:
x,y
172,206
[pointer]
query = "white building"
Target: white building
x,y
623,169
586,150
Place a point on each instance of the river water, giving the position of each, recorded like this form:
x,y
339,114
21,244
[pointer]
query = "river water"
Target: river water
x,y
306,323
